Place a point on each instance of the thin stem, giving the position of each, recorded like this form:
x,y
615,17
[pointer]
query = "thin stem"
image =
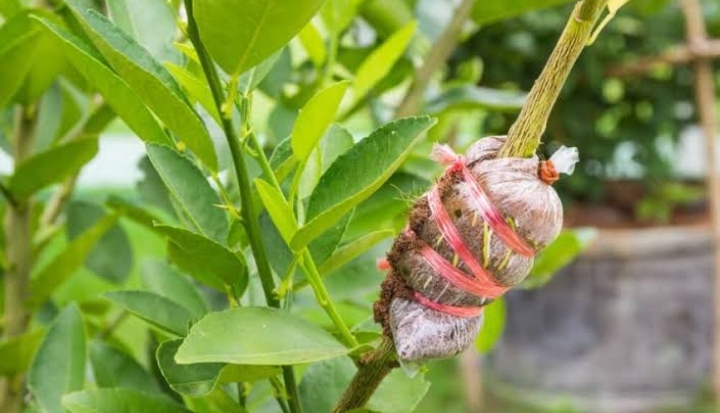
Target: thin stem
x,y
323,298
248,209
373,369
525,134
19,255
436,58
279,397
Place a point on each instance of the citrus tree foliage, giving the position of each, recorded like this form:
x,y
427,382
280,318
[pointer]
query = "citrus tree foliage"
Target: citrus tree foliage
x,y
239,274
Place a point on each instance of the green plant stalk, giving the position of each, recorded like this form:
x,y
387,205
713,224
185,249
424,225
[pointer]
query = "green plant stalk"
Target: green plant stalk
x,y
252,226
19,255
525,134
374,367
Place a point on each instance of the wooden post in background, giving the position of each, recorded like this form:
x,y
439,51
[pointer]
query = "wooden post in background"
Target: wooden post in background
x,y
697,41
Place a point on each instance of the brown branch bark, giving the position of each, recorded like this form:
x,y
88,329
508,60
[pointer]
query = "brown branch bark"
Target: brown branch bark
x,y
696,34
678,55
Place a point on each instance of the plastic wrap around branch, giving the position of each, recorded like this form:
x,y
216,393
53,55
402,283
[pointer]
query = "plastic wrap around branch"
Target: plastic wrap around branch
x,y
470,238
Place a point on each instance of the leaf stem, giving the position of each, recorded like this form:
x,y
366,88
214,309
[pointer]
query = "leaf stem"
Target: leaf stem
x,y
248,209
373,369
525,134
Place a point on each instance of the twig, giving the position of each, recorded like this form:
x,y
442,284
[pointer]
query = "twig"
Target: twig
x,y
705,101
248,209
678,55
373,369
19,254
525,134
438,55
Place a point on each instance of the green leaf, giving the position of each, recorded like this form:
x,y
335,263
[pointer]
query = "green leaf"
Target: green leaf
x,y
150,80
492,327
215,402
9,7
152,189
62,266
115,90
51,166
196,89
17,48
324,383
490,11
378,64
132,212
264,27
119,401
352,250
278,209
59,366
325,245
192,379
111,258
155,309
474,97
253,77
336,142
359,172
114,368
314,119
16,353
206,260
561,252
191,190
162,279
149,22
235,373
259,336
313,43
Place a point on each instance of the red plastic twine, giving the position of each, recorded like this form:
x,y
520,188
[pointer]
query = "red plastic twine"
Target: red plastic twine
x,y
482,284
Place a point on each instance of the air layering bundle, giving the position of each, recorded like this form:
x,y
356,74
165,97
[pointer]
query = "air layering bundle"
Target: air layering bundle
x,y
470,238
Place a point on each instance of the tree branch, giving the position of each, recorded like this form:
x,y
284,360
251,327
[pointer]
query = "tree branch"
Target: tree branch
x,y
436,58
373,369
705,49
248,209
525,134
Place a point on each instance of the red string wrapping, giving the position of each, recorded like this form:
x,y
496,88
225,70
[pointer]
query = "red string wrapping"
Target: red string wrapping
x,y
482,283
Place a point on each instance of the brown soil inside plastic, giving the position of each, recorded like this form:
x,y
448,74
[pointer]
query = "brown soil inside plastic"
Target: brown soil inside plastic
x,y
618,210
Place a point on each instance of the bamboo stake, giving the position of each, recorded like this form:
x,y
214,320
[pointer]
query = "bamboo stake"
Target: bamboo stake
x,y
696,35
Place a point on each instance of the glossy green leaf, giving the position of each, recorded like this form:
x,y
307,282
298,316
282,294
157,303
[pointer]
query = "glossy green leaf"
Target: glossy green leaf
x,y
324,383
253,77
51,166
260,336
66,262
17,48
215,402
111,258
155,309
336,142
150,22
152,189
116,92
235,373
196,89
119,401
17,352
378,64
278,209
150,80
325,245
561,252
490,11
114,368
191,190
475,97
313,43
359,172
59,366
492,327
314,119
338,14
241,34
386,16
205,260
133,212
9,7
162,279
191,379
352,250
